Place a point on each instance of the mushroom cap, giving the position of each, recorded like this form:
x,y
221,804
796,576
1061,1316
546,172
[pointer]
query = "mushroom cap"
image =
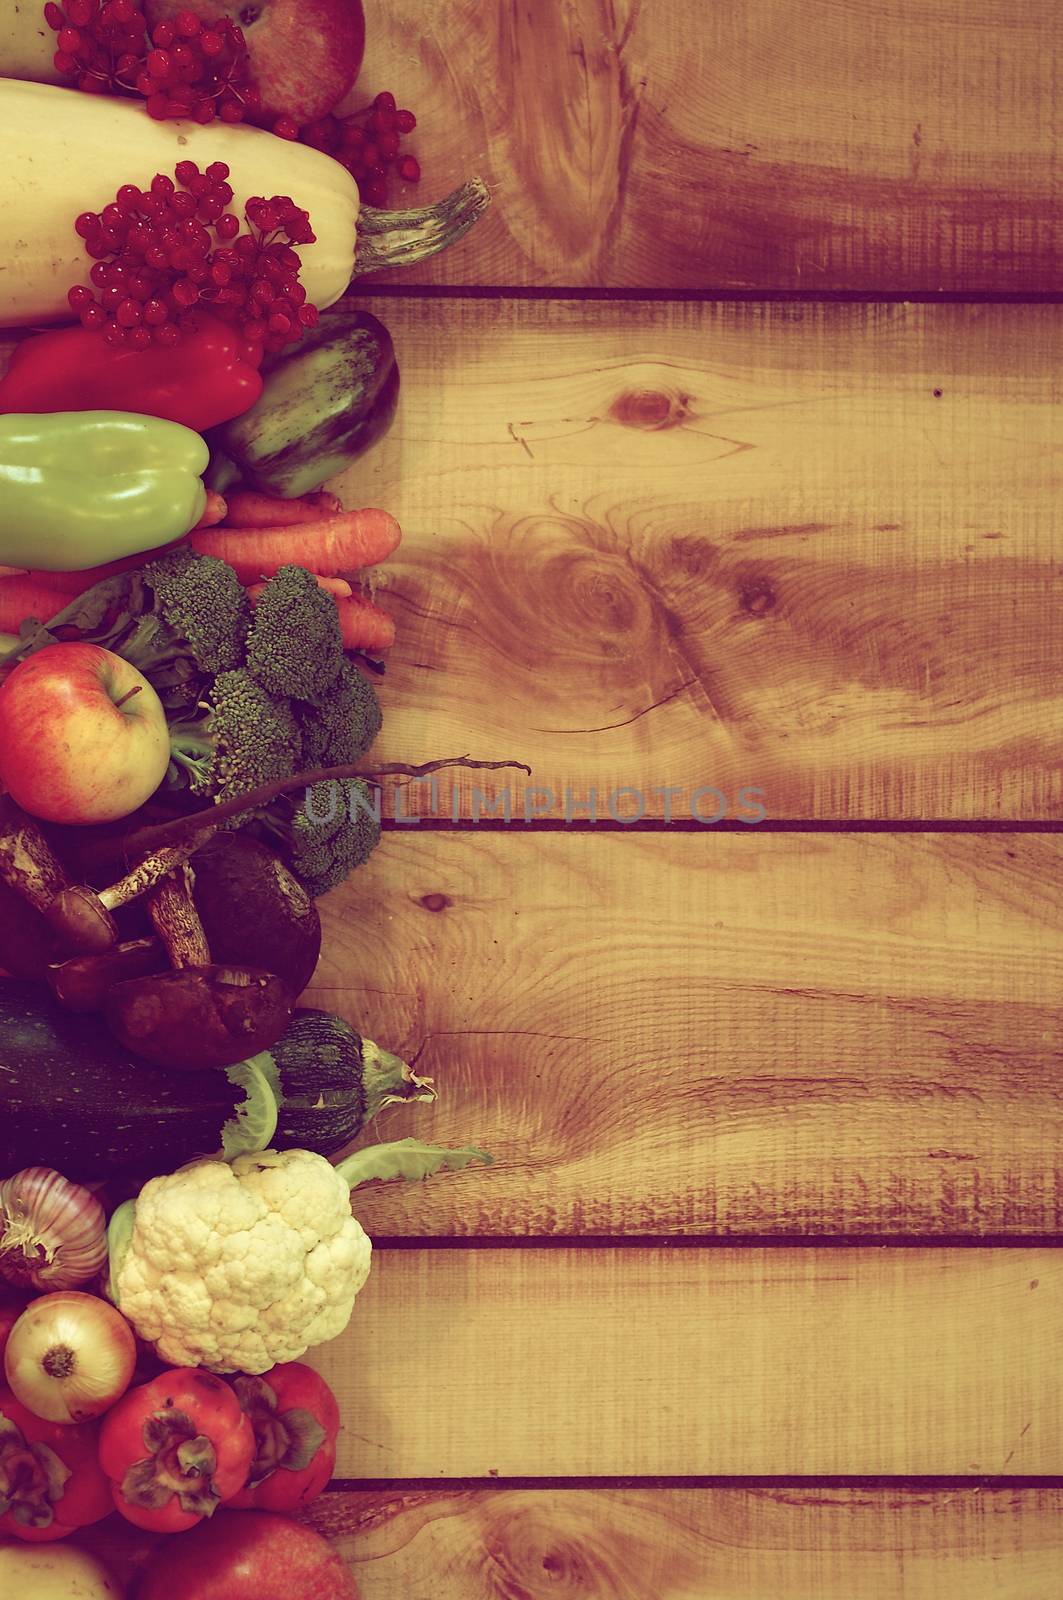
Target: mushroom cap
x,y
194,1018
81,922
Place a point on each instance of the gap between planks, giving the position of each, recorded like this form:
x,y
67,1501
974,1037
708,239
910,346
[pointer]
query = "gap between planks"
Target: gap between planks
x,y
838,825
718,296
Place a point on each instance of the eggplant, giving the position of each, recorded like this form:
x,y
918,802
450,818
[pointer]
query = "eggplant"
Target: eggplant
x,y
322,406
73,1098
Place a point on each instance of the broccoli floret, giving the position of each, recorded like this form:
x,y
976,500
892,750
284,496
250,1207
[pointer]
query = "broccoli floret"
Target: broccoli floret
x,y
203,602
178,619
325,832
294,647
243,738
340,730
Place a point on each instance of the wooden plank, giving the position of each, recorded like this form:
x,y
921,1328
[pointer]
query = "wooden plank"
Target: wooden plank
x,y
742,1034
811,550
603,1361
809,1543
699,1544
847,144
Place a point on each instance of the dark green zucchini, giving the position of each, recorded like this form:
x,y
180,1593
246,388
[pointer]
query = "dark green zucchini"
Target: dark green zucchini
x,y
72,1098
323,404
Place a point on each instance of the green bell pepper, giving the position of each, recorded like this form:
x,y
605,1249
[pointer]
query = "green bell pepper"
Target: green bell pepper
x,y
81,488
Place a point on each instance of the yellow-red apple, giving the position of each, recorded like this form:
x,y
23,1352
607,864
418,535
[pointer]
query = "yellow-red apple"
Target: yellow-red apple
x,y
83,735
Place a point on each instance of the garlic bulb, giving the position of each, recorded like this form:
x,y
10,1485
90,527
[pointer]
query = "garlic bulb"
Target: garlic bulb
x,y
53,1233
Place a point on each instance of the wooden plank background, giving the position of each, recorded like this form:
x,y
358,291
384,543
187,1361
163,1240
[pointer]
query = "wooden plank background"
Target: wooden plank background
x,y
612,1361
733,1543
811,549
866,145
751,1034
657,541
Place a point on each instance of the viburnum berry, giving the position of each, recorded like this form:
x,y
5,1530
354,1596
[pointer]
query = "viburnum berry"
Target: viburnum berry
x,y
369,144
162,252
179,67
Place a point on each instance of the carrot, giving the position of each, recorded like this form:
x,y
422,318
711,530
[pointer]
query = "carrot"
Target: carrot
x,y
214,511
335,586
24,597
364,626
249,509
77,582
331,546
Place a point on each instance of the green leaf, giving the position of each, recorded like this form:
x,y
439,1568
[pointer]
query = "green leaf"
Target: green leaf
x,y
406,1158
165,1428
254,1394
255,1120
305,1436
56,1472
141,1487
119,1238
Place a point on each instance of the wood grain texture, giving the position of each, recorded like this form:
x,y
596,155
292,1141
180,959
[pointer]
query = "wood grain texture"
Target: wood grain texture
x,y
677,1544
574,1362
701,1544
742,1034
856,144
809,549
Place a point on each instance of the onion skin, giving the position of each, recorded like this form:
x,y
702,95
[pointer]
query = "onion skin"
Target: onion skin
x,y
69,1357
53,1233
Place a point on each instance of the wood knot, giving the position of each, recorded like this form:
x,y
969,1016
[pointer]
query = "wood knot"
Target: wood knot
x,y
435,902
692,555
757,598
650,410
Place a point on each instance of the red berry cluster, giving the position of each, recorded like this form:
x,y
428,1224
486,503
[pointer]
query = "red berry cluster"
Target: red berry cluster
x,y
186,68
160,252
368,143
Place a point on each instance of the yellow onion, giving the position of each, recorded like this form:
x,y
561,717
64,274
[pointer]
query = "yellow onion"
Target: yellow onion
x,y
53,1233
69,1356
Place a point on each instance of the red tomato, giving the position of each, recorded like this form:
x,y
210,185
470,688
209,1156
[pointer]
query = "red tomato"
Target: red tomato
x,y
12,1305
175,1449
296,1419
247,1555
50,1472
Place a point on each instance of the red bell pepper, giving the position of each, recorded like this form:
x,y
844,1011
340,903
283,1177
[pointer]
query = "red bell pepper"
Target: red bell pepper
x,y
296,1420
175,1449
50,1479
209,377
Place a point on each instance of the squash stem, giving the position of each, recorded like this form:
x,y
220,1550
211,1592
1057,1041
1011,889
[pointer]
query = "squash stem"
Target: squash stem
x,y
389,1080
402,238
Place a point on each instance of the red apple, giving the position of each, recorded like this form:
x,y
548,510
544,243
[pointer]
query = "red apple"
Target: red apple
x,y
83,735
305,54
247,1555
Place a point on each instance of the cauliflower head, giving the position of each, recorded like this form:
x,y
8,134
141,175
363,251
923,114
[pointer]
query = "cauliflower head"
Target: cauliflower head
x,y
237,1266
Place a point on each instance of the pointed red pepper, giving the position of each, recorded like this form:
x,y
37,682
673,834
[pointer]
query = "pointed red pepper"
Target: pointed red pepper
x,y
209,377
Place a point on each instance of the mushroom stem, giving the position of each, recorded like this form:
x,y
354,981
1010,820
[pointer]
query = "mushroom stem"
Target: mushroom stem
x,y
176,920
151,871
198,1015
81,917
27,862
